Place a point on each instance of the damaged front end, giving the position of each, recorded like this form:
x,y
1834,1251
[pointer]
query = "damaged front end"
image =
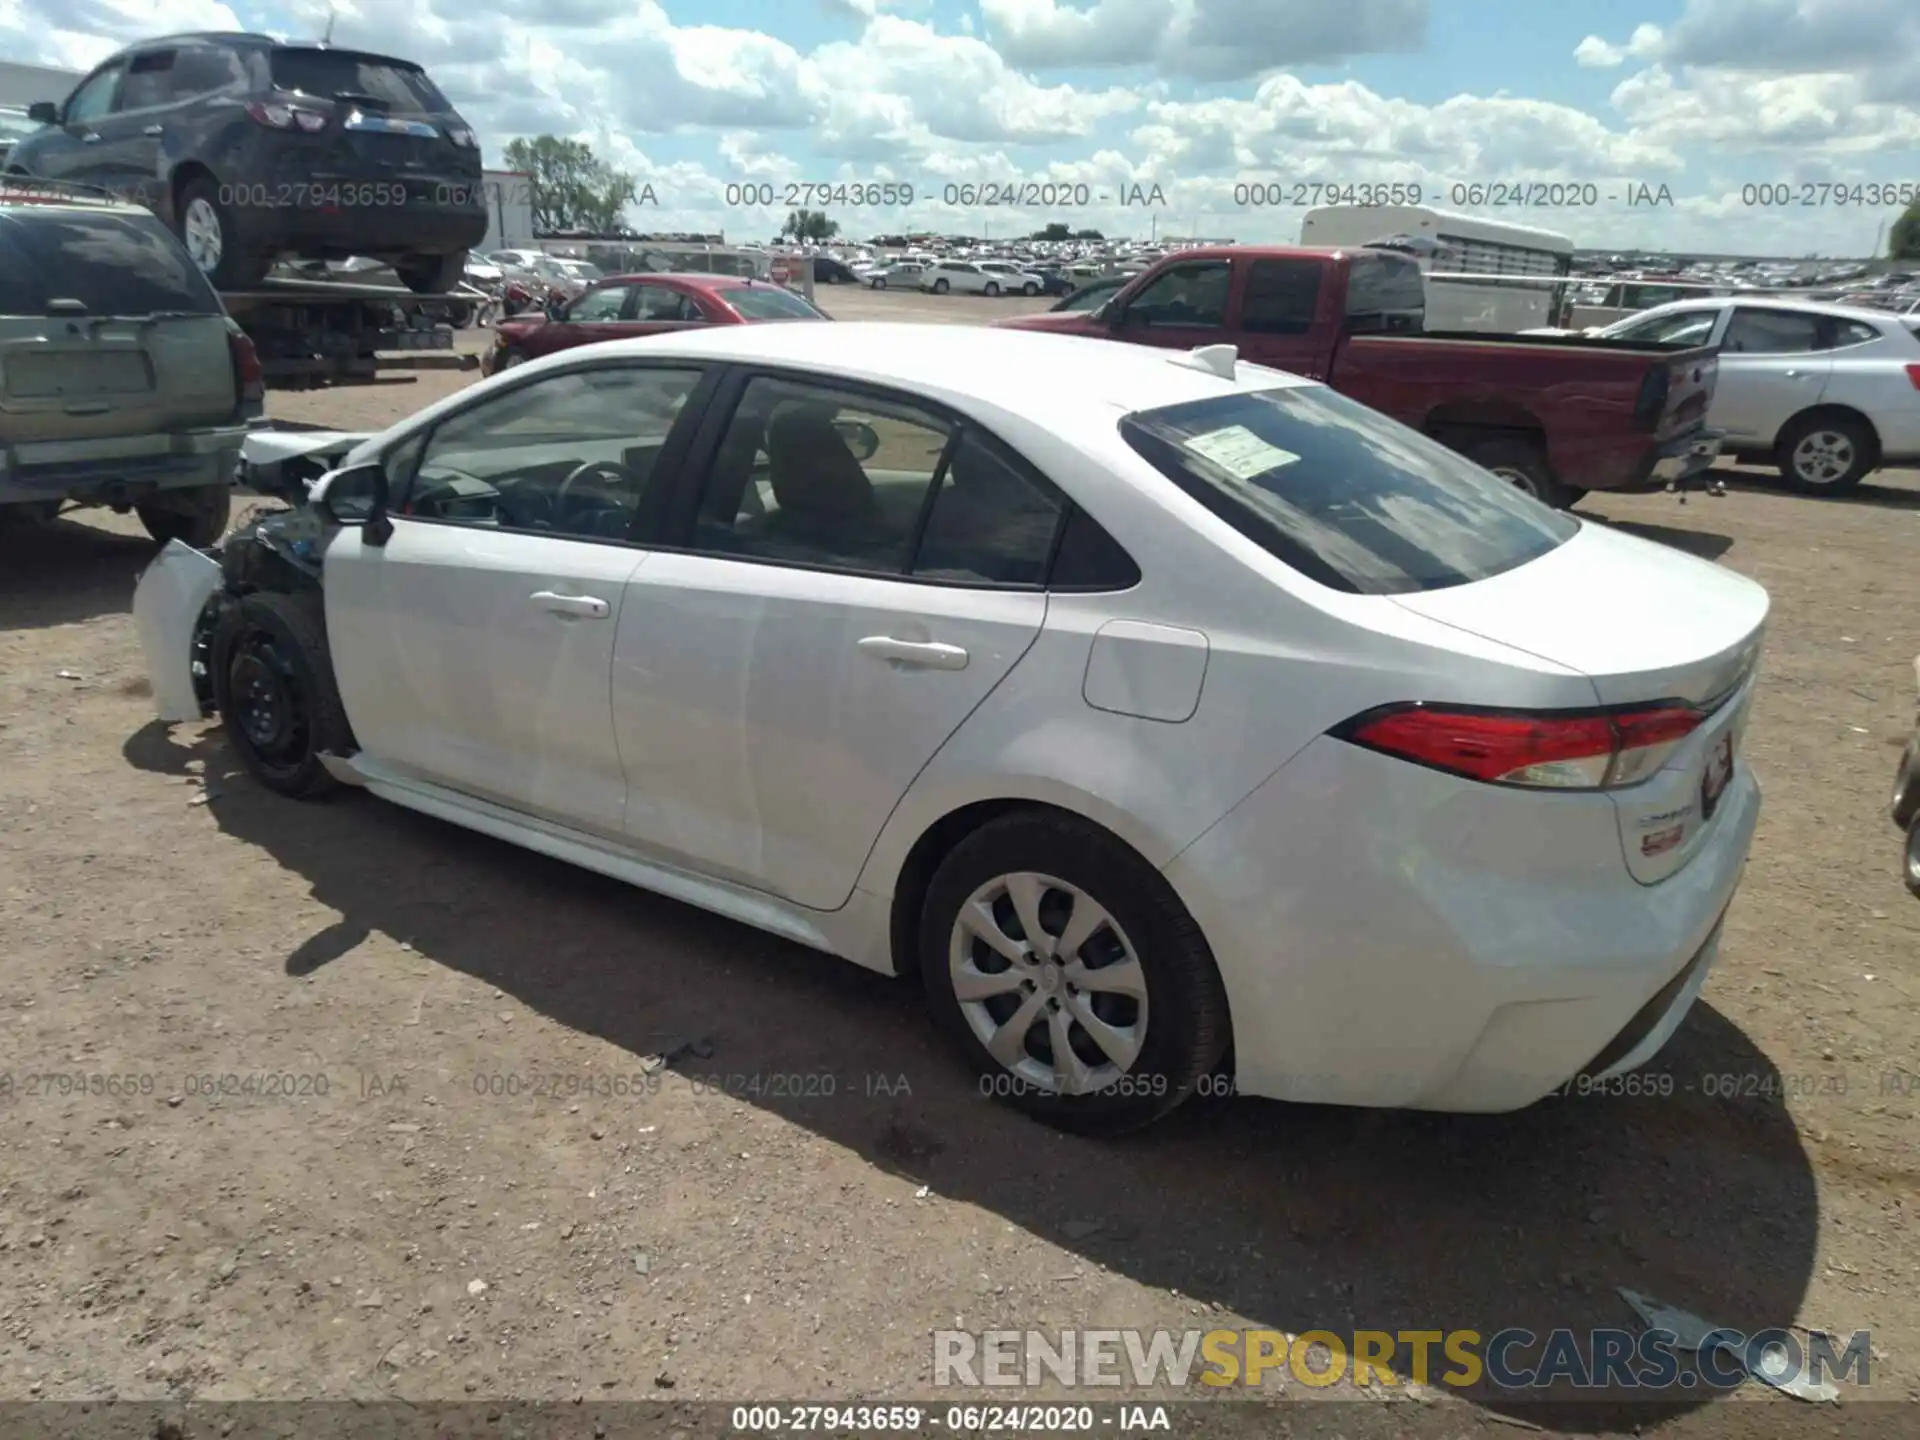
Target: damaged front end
x,y
184,593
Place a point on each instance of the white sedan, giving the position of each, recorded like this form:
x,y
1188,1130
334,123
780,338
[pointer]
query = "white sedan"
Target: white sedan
x,y
978,277
1829,393
1153,708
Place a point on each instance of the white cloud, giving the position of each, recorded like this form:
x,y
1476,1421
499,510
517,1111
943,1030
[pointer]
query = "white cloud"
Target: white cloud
x,y
1201,39
79,34
1599,54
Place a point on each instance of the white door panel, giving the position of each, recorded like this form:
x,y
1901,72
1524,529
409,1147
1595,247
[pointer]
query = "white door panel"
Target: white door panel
x,y
771,718
1755,395
481,660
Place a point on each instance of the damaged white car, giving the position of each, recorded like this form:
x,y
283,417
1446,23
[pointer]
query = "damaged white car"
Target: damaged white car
x,y
1166,715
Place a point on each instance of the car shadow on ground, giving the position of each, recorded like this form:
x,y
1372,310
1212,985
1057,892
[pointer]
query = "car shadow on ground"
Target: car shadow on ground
x,y
1876,489
1293,1217
1707,544
64,572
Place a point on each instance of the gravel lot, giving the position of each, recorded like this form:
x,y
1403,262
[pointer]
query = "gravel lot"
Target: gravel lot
x,y
410,1223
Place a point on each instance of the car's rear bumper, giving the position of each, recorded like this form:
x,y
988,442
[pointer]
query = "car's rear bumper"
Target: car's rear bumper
x,y
1392,936
418,227
119,469
1677,461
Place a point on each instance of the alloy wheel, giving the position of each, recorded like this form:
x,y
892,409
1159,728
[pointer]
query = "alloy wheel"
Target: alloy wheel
x,y
1049,983
1822,457
200,233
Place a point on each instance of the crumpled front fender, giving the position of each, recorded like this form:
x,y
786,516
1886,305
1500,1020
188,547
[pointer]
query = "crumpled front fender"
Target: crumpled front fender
x,y
167,604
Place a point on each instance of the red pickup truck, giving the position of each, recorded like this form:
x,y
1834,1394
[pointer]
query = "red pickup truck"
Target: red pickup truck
x,y
1556,415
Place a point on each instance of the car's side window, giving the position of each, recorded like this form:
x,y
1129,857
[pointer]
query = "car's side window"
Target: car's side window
x,y
600,305
1754,331
94,98
206,70
812,475
149,81
993,520
1186,295
657,302
1283,296
1851,332
571,454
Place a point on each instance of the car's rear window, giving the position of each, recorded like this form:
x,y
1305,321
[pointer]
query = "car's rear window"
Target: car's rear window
x,y
1342,494
113,263
769,302
395,87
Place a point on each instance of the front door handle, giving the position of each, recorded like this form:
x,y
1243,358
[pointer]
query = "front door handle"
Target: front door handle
x,y
928,654
154,130
591,607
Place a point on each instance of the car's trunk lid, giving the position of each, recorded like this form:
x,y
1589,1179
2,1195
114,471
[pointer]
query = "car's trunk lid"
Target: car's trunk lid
x,y
1646,624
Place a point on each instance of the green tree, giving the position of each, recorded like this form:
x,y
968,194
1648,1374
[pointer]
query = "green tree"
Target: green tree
x,y
1904,241
1055,231
810,225
1088,235
573,189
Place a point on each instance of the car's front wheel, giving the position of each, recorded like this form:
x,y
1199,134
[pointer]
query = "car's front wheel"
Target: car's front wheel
x,y
879,284
273,686
196,516
1070,973
1906,784
940,287
1913,856
1029,289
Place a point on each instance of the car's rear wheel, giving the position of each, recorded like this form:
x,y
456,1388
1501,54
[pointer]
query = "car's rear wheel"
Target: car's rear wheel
x,y
206,228
1906,785
1521,464
273,685
1029,289
196,516
1826,454
432,274
940,287
1070,973
991,290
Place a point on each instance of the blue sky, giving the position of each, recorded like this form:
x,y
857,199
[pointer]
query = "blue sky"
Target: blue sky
x,y
1778,126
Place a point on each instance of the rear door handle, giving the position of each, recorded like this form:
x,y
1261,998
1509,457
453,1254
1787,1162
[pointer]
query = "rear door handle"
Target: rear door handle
x,y
927,654
591,607
154,130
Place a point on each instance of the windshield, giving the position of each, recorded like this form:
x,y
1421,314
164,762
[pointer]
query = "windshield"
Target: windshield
x,y
1344,495
391,85
769,302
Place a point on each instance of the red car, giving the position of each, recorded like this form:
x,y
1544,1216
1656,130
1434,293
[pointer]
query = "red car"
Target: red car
x,y
622,306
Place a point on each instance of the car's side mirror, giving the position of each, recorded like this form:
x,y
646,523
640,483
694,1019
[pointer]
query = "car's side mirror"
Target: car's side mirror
x,y
355,495
44,112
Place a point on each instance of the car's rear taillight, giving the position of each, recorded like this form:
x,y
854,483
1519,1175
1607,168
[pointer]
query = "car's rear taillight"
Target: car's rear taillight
x,y
1652,403
248,374
1550,750
286,117
1913,376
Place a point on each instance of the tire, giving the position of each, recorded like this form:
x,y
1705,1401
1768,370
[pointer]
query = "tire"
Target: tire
x,y
206,227
1522,465
992,291
1912,863
940,287
879,284
196,517
1029,290
273,686
510,359
1826,454
1184,1014
432,274
1906,785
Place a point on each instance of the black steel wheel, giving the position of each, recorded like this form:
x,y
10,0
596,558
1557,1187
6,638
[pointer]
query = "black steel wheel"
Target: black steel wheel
x,y
273,686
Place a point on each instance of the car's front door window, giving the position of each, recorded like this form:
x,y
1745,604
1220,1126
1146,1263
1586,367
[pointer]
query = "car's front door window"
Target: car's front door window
x,y
570,455
602,305
1186,295
94,98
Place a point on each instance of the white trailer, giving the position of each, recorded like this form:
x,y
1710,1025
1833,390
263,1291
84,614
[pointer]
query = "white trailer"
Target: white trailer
x,y
24,85
509,211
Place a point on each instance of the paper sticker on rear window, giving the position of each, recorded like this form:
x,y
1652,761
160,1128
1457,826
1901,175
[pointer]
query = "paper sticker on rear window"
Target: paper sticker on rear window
x,y
1240,452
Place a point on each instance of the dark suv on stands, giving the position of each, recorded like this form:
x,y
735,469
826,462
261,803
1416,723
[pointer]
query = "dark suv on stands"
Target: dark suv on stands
x,y
251,149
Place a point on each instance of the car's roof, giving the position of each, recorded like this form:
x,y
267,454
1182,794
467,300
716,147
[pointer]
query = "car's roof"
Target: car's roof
x,y
696,279
1018,370
1761,299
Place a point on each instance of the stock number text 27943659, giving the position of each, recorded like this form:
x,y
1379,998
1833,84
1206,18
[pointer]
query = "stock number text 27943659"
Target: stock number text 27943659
x,y
812,194
1293,194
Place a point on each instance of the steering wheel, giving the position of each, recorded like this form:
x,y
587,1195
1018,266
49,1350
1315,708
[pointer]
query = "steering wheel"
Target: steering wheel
x,y
618,476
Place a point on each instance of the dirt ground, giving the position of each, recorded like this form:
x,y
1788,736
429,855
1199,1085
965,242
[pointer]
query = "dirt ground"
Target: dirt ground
x,y
269,1129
